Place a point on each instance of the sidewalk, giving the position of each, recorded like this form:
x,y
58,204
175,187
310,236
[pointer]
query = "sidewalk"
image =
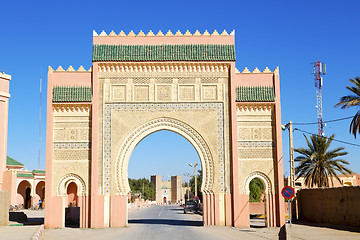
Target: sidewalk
x,y
18,232
321,232
20,228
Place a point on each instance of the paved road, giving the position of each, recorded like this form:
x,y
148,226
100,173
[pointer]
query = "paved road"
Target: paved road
x,y
162,222
169,222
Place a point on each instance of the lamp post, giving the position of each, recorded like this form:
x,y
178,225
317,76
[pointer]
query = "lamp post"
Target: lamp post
x,y
188,192
291,150
195,175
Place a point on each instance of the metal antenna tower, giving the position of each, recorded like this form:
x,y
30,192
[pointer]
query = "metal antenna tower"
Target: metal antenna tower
x,y
319,69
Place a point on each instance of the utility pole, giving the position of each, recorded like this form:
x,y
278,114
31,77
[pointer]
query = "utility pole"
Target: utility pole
x,y
292,167
195,175
195,180
188,191
143,191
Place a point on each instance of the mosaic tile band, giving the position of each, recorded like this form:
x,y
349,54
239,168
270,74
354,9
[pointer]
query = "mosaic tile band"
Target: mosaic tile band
x,y
71,145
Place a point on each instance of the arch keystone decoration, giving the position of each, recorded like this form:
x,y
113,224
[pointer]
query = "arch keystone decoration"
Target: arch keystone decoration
x,y
159,124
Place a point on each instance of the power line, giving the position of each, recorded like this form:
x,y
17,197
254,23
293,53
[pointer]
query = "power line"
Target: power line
x,y
353,144
334,120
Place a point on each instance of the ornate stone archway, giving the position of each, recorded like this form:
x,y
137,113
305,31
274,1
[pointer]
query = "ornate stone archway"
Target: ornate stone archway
x,y
265,179
66,180
157,125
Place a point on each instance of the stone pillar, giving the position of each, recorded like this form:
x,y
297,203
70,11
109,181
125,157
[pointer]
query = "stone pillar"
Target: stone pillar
x,y
4,208
4,109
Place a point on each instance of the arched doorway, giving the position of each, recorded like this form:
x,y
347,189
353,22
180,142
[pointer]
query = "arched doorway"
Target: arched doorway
x,y
260,202
257,204
40,192
185,132
24,194
72,210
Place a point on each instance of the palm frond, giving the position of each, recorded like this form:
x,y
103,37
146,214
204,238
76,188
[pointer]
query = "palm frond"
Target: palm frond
x,y
319,165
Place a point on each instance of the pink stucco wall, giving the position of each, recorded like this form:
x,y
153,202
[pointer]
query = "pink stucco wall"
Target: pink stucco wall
x,y
338,206
4,106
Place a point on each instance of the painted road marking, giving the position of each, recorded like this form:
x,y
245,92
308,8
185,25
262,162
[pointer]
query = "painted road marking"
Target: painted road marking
x,y
161,211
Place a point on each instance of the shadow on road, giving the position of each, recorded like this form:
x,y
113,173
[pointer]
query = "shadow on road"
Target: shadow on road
x,y
21,217
330,226
166,222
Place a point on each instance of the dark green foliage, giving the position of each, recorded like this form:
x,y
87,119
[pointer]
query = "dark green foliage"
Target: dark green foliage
x,y
317,163
143,186
352,100
256,190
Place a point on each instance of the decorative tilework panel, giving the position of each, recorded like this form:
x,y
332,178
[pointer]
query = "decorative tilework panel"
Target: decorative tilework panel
x,y
118,92
141,93
186,92
163,92
71,145
209,92
166,107
74,154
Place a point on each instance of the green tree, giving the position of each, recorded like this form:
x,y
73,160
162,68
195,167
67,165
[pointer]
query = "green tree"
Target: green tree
x,y
317,163
192,185
256,187
350,101
143,186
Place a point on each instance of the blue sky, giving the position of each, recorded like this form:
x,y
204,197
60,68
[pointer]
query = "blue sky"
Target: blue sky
x,y
288,34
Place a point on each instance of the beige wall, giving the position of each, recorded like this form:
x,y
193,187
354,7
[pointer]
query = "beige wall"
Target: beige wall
x,y
256,145
4,208
71,137
338,206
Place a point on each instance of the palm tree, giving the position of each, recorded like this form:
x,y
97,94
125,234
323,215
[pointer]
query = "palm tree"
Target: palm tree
x,y
317,163
350,101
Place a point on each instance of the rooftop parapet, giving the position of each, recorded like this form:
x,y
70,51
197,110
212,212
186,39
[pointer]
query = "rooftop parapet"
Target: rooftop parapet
x,y
5,76
70,69
257,70
163,38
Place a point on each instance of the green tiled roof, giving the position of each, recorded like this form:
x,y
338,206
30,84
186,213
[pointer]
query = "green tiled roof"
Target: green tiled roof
x,y
72,94
255,94
38,171
13,162
191,52
24,175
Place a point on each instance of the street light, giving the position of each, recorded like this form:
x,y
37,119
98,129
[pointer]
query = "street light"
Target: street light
x,y
188,193
291,149
195,175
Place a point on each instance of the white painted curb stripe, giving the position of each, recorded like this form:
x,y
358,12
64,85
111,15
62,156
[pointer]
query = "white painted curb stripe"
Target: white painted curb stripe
x,y
38,233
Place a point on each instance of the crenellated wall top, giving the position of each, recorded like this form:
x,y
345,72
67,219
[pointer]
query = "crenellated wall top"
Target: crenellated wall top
x,y
5,76
70,69
163,38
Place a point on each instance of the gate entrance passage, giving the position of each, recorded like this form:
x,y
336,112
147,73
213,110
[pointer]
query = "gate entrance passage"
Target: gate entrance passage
x,y
140,84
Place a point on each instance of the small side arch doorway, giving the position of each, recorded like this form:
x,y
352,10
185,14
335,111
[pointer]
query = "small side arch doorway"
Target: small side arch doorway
x,y
72,210
263,207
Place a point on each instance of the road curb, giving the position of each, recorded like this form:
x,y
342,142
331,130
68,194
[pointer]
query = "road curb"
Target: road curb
x,y
38,232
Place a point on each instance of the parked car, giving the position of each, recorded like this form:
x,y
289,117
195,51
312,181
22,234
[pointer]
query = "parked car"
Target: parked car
x,y
191,207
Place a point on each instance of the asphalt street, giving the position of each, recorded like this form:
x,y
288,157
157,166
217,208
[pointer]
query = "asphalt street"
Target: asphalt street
x,y
160,223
